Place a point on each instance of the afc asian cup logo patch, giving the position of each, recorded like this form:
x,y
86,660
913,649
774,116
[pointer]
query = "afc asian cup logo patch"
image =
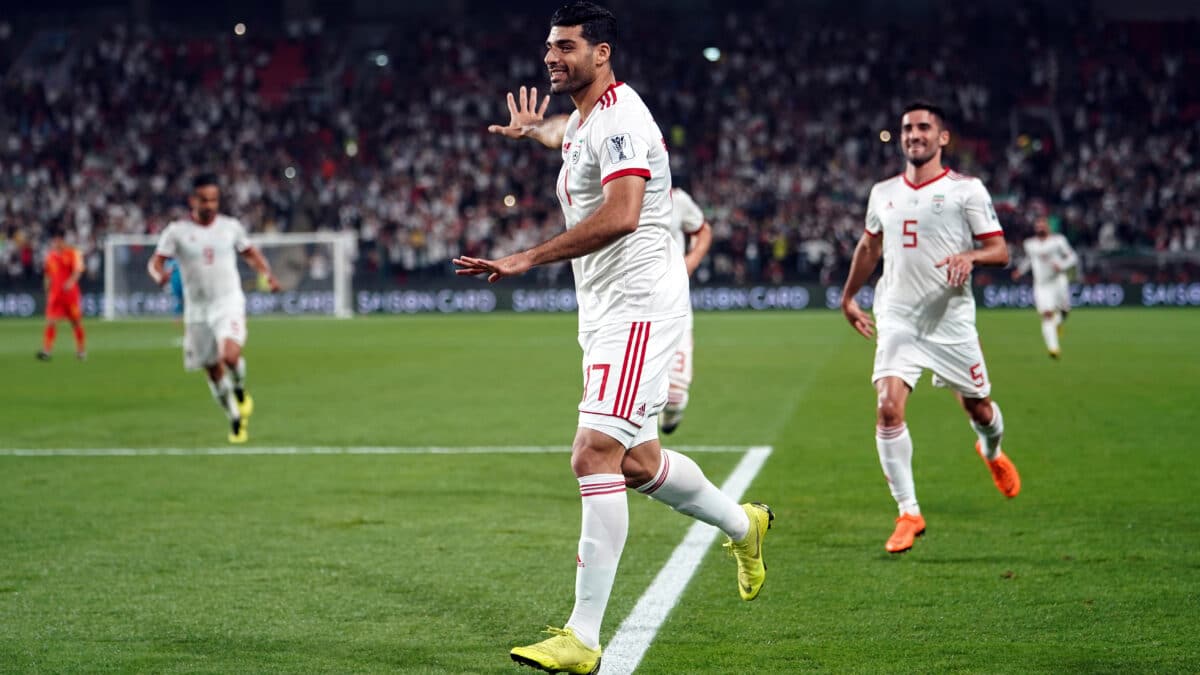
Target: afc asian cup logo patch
x,y
939,202
620,148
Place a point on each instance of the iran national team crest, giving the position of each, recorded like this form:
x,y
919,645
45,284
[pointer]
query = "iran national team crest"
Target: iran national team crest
x,y
939,201
620,148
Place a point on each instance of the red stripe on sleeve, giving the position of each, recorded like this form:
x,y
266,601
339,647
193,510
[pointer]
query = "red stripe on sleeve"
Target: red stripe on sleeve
x,y
989,235
644,173
872,234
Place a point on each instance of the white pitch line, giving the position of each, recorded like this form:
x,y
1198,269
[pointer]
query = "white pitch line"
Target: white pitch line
x,y
626,649
316,450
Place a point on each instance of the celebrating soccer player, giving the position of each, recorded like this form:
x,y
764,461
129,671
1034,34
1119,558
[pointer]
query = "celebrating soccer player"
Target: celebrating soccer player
x,y
925,223
614,190
1050,256
64,266
214,309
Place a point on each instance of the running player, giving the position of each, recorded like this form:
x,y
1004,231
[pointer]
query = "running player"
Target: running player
x,y
206,246
687,220
1049,255
925,224
614,190
63,267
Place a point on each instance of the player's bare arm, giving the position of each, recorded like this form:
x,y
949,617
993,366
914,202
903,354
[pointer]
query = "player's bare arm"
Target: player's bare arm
x,y
698,244
617,217
157,270
866,257
993,253
528,120
256,260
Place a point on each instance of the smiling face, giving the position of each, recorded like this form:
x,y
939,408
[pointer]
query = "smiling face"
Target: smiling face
x,y
922,137
571,60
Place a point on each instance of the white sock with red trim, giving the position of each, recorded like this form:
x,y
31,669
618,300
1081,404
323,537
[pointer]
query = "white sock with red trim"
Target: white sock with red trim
x,y
681,485
895,456
601,540
991,435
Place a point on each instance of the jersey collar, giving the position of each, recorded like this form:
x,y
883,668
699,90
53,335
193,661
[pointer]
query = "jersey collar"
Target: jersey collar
x,y
931,180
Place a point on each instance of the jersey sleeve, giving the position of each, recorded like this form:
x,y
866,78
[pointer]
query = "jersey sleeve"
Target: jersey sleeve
x,y
77,260
874,224
690,215
621,140
241,240
166,243
980,213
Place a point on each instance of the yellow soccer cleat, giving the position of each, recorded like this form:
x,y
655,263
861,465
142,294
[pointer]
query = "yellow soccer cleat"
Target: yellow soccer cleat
x,y
246,405
561,653
237,432
752,571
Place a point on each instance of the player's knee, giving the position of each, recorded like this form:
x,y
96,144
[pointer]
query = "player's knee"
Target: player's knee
x,y
636,472
889,413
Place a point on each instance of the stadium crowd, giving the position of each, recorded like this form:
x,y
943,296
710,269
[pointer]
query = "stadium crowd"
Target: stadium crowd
x,y
779,137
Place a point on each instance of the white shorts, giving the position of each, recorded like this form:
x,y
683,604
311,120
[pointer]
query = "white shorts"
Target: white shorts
x,y
1054,296
202,340
625,377
959,366
681,362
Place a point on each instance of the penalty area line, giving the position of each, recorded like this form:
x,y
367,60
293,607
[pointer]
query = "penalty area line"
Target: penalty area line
x,y
318,450
625,651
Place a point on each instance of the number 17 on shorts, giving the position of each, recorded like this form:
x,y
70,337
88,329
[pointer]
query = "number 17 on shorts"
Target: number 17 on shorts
x,y
625,369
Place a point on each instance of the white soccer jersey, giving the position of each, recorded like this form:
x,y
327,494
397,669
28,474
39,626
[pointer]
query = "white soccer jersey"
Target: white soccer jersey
x,y
921,225
207,257
641,276
1044,255
686,217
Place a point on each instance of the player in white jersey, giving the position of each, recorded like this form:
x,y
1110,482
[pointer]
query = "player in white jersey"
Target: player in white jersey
x,y
687,220
925,224
1049,256
205,246
633,306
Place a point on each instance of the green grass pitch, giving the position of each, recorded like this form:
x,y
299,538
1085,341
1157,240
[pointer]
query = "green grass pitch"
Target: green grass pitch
x,y
441,563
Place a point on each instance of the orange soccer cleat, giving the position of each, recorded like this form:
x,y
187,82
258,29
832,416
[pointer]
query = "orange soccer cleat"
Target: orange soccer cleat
x,y
908,527
1004,472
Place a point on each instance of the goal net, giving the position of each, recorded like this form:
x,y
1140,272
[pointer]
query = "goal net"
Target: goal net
x,y
313,269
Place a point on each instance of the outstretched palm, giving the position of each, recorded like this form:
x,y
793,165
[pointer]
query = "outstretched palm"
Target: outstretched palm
x,y
525,114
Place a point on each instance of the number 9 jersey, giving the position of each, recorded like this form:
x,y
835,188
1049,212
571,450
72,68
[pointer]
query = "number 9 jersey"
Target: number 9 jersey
x,y
921,225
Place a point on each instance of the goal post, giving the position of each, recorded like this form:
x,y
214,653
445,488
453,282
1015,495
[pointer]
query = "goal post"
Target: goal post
x,y
314,270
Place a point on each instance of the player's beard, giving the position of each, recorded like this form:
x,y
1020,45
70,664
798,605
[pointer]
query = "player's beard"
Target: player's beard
x,y
573,82
919,160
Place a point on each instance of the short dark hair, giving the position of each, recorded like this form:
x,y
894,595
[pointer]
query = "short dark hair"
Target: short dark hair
x,y
932,108
599,24
204,180
56,232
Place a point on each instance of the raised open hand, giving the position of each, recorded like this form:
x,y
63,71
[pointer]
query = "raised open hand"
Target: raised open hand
x,y
525,114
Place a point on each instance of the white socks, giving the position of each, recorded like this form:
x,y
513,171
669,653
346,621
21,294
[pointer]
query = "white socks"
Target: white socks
x,y
223,393
895,456
239,373
681,485
989,436
601,540
1050,332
